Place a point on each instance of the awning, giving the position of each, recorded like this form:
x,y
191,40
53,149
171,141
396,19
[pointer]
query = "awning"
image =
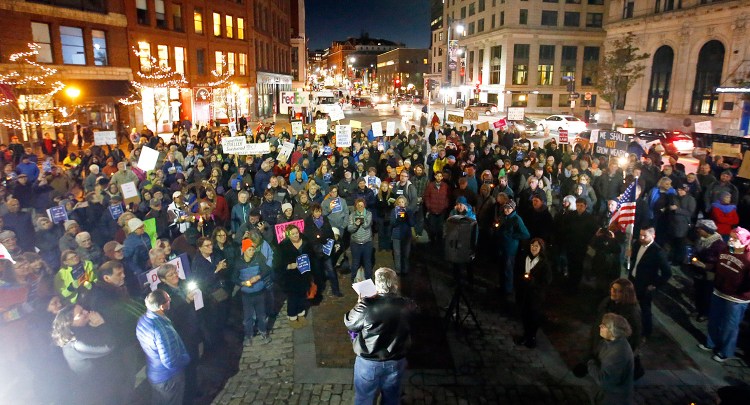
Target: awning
x,y
99,89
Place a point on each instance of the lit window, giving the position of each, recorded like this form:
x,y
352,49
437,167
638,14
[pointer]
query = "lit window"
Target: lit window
x,y
217,25
99,40
230,62
179,59
229,22
163,55
40,32
144,56
219,62
71,39
240,28
198,20
243,64
161,17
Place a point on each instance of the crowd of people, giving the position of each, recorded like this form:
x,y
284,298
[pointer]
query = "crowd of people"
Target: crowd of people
x,y
79,249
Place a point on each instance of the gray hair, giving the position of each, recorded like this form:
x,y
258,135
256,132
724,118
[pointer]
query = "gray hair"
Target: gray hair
x,y
386,281
164,269
155,299
616,324
81,236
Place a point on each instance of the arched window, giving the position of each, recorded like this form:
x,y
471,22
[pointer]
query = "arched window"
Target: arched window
x,y
707,77
661,74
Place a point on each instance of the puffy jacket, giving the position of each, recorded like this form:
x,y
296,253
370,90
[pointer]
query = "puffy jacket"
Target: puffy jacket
x,y
436,199
247,270
382,324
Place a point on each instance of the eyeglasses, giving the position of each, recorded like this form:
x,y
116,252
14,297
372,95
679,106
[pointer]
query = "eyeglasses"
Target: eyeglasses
x,y
221,235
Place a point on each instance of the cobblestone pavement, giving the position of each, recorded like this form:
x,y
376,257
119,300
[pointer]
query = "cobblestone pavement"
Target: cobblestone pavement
x,y
488,368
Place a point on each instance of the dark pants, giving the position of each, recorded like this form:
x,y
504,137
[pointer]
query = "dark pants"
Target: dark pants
x,y
371,377
678,251
434,226
644,299
333,278
531,316
295,303
169,392
704,289
362,255
254,313
401,253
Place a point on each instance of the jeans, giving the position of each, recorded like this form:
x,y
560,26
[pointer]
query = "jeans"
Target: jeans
x,y
401,253
434,226
169,392
254,313
724,325
333,278
371,377
361,254
508,259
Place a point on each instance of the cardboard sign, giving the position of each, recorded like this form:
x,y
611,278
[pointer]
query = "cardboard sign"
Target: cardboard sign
x,y
297,128
336,113
130,193
377,129
390,128
321,127
57,214
147,160
744,171
726,149
105,138
563,136
281,228
343,136
456,119
515,113
303,264
483,126
704,127
470,115
256,149
234,144
355,124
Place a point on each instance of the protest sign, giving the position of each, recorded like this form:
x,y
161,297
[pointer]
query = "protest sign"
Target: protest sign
x,y
500,124
377,129
166,136
303,263
470,115
563,134
515,113
343,136
148,159
57,214
594,138
149,226
234,144
285,152
105,138
280,126
456,119
328,247
355,124
483,126
390,128
704,127
281,228
130,192
744,171
612,143
232,128
256,149
116,211
336,113
182,264
297,128
726,149
321,127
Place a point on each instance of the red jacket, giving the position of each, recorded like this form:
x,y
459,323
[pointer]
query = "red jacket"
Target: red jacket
x,y
437,201
724,221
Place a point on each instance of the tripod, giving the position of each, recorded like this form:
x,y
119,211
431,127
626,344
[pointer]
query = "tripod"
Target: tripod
x,y
453,313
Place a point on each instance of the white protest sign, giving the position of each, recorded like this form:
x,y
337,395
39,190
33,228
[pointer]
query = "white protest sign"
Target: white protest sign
x,y
321,127
355,124
256,149
390,128
285,152
336,113
297,128
129,191
704,127
377,129
166,136
343,136
198,299
147,160
105,138
515,113
594,138
232,128
153,277
234,144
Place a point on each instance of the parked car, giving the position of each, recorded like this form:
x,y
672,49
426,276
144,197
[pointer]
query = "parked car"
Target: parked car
x,y
566,122
674,142
527,125
483,108
361,102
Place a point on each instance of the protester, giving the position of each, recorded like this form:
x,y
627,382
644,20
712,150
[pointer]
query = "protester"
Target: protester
x,y
612,370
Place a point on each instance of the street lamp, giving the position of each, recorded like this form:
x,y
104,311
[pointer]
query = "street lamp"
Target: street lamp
x,y
450,64
235,93
73,92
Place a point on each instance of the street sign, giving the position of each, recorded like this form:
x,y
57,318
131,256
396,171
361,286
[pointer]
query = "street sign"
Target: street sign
x,y
587,96
574,96
564,136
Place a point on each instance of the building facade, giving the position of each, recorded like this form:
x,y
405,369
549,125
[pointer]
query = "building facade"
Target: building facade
x,y
299,44
520,53
694,47
353,62
85,41
403,70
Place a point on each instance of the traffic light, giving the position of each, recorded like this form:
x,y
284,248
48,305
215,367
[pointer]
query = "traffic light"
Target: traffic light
x,y
397,82
571,86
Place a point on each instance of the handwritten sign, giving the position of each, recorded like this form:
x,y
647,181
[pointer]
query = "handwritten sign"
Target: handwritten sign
x,y
281,228
377,129
321,127
355,124
483,126
183,269
336,113
515,113
726,149
343,136
471,115
256,149
105,138
297,128
456,119
233,144
130,192
147,160
286,150
704,127
390,128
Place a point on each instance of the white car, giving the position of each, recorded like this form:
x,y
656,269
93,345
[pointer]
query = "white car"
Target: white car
x,y
567,122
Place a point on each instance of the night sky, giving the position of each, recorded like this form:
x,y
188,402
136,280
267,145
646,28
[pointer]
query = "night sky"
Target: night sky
x,y
406,21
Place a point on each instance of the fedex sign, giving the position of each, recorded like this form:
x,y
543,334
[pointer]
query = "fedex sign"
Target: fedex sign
x,y
293,99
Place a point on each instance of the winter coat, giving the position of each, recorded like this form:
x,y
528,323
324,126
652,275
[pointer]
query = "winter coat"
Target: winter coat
x,y
511,232
679,219
725,217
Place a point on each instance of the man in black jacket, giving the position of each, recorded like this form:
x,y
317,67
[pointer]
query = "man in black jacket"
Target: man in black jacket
x,y
381,323
649,269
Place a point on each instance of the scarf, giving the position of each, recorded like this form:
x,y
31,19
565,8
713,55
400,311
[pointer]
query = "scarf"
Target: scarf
x,y
724,208
705,243
530,263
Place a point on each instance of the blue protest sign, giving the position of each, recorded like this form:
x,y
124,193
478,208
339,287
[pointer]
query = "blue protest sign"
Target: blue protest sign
x,y
328,247
58,214
303,264
336,206
115,211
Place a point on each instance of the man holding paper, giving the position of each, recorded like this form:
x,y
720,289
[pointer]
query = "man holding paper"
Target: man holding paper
x,y
380,320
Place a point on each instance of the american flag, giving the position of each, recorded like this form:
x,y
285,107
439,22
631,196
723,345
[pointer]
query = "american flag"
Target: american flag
x,y
625,213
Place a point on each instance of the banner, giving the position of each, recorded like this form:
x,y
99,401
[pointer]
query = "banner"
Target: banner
x,y
377,129
343,136
280,228
321,127
612,143
297,128
233,145
456,119
147,160
256,149
105,138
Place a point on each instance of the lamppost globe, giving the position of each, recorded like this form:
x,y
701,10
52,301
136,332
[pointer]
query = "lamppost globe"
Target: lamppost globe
x,y
72,92
352,59
459,29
